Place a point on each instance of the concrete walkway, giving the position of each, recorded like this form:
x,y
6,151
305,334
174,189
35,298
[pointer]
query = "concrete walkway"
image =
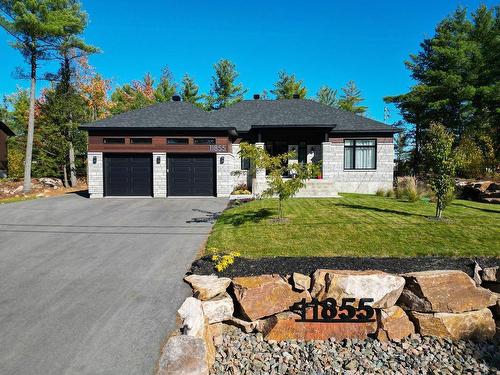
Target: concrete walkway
x,y
92,286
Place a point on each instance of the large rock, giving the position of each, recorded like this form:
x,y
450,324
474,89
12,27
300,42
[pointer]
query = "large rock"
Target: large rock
x,y
470,325
207,287
284,326
192,317
301,282
442,291
491,274
183,355
393,324
384,288
265,295
219,308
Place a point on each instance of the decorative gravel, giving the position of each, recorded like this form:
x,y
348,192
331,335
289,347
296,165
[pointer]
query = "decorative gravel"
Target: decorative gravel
x,y
240,353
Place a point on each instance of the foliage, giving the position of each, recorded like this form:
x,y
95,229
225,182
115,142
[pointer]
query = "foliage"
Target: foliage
x,y
380,193
241,189
475,157
350,99
166,87
189,90
408,188
223,261
15,159
440,163
458,79
287,86
225,91
277,167
327,95
389,193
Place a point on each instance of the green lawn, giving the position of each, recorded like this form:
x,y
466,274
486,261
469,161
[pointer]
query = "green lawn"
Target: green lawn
x,y
358,225
17,199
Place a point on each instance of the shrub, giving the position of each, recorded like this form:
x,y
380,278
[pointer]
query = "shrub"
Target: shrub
x,y
380,193
389,193
406,188
223,261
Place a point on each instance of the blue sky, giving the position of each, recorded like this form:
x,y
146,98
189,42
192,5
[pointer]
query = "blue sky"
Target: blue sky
x,y
322,42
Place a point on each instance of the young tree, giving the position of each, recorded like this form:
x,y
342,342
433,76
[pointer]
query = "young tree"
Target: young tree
x,y
350,99
166,88
440,164
189,90
277,167
39,28
287,86
224,90
328,96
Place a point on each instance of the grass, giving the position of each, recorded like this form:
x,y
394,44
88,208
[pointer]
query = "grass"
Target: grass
x,y
358,225
17,199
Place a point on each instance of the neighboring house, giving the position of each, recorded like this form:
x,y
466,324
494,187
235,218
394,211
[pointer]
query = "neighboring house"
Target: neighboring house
x,y
177,149
5,133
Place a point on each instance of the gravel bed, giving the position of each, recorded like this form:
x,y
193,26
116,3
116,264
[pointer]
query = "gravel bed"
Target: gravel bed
x,y
307,265
240,353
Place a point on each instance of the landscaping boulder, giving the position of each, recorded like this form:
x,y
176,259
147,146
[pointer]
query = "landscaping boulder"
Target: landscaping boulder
x,y
470,325
207,287
183,355
284,326
219,308
443,291
265,295
301,282
192,317
491,274
384,288
393,324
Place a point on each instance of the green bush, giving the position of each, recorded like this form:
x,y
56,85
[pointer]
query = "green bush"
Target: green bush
x,y
406,188
389,193
380,193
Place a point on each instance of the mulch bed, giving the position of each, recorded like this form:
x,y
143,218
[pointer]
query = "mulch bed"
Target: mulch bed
x,y
307,265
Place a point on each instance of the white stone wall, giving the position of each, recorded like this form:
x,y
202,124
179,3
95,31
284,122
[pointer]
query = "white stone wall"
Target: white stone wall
x,y
225,178
95,177
353,181
328,160
241,177
160,175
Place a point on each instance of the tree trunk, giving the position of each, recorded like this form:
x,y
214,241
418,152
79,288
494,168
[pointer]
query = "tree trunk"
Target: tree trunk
x,y
65,175
31,129
72,167
439,209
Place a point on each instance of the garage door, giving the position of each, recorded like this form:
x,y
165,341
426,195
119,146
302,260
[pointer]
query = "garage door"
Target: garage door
x,y
128,175
191,175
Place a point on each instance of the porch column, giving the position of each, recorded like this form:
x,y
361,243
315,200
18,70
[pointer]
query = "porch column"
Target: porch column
x,y
95,174
328,160
259,181
159,175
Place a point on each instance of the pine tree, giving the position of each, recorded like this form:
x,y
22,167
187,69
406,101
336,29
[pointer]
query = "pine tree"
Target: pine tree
x,y
39,29
350,99
224,91
328,96
287,86
189,90
166,88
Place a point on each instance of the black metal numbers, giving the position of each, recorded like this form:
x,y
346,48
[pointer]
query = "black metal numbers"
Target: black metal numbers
x,y
330,312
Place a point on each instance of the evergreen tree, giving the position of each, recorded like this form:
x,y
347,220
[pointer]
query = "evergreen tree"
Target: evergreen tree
x,y
350,99
287,86
225,91
189,90
39,29
328,96
166,88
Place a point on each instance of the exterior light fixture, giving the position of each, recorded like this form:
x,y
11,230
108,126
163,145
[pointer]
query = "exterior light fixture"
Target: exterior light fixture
x,y
94,160
221,160
158,160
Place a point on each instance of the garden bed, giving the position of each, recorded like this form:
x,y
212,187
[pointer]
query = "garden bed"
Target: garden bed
x,y
306,265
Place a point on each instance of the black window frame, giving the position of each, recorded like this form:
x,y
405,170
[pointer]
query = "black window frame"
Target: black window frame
x,y
113,140
353,148
184,139
245,164
147,141
203,141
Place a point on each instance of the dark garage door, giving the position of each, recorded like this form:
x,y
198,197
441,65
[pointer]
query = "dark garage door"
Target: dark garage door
x,y
128,175
191,175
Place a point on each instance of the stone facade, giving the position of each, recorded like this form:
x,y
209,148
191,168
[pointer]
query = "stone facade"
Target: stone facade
x,y
159,175
224,163
95,174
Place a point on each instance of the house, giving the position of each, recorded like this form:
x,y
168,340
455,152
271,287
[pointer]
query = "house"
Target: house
x,y
5,133
177,149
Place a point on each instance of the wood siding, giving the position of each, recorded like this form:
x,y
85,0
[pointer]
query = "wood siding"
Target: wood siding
x,y
3,150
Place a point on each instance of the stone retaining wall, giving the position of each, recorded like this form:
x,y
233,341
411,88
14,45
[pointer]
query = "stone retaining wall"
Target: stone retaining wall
x,y
446,304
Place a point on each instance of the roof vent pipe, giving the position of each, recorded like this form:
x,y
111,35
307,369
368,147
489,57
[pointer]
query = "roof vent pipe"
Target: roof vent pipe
x,y
296,96
256,96
176,98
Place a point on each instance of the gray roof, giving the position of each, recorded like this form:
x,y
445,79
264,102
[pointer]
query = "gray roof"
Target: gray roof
x,y
244,116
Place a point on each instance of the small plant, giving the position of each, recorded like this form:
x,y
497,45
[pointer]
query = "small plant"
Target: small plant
x,y
380,193
406,187
223,261
389,193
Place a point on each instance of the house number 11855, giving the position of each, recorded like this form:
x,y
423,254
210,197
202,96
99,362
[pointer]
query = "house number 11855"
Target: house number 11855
x,y
328,311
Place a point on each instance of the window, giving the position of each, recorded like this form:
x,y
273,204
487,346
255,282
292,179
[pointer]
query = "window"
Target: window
x,y
141,141
360,154
245,164
177,141
204,141
114,141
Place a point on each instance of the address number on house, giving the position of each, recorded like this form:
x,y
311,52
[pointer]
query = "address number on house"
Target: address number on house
x,y
328,311
217,148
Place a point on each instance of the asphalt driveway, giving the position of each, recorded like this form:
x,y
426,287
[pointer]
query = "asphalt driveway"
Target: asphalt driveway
x,y
92,286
